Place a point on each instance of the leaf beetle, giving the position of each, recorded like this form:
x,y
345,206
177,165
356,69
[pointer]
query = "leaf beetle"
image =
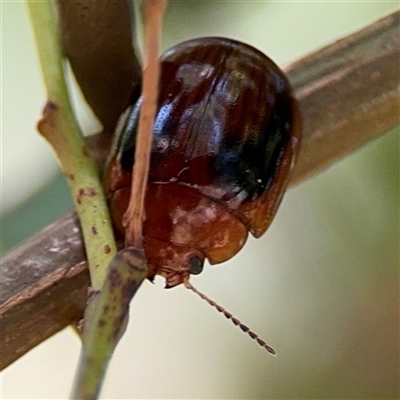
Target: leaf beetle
x,y
226,135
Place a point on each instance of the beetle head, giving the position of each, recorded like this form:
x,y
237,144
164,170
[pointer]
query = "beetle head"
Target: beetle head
x,y
175,263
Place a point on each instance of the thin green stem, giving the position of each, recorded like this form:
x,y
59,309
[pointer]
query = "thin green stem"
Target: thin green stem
x,y
59,127
108,311
42,14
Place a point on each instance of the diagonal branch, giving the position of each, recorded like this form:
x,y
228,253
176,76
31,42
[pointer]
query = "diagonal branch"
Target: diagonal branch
x,y
348,94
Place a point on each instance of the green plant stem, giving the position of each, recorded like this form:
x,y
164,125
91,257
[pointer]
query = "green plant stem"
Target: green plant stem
x,y
108,311
59,127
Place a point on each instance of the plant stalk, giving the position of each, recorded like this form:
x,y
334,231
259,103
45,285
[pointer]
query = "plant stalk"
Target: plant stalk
x,y
59,127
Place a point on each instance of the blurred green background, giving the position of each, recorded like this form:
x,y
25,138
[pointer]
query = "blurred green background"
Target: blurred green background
x,y
322,286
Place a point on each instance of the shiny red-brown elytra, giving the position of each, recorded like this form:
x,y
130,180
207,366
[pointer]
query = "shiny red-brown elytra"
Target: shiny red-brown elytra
x,y
226,135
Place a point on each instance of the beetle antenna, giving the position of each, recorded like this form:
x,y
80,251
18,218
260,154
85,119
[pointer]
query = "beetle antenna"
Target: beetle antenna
x,y
228,315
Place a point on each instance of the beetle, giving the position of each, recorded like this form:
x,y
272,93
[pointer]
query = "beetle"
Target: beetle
x,y
226,135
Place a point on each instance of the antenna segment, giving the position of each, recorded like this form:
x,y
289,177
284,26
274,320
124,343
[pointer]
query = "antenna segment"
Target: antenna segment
x,y
228,315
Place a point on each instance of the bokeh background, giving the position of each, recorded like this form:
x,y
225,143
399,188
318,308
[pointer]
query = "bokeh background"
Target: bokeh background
x,y
322,286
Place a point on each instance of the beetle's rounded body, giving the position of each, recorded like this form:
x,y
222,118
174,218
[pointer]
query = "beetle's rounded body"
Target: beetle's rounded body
x,y
226,135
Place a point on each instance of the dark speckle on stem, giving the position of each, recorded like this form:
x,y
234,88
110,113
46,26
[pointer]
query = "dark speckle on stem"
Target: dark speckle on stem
x,y
87,192
50,106
90,192
128,289
94,230
107,249
117,324
85,152
114,278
